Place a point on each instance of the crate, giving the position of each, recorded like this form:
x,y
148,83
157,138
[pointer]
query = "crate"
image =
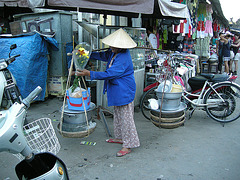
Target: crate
x,y
213,68
57,85
204,67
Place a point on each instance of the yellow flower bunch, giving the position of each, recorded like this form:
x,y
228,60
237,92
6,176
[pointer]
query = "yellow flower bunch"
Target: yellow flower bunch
x,y
82,52
81,55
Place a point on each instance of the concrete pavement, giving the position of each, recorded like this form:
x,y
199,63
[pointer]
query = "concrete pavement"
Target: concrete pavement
x,y
202,149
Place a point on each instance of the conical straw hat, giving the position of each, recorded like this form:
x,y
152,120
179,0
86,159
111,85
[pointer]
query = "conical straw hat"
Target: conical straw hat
x,y
119,39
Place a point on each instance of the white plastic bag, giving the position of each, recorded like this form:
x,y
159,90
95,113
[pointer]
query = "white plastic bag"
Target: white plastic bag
x,y
77,93
153,103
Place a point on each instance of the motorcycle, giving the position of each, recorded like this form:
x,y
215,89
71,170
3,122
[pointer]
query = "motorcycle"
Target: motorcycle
x,y
35,166
9,92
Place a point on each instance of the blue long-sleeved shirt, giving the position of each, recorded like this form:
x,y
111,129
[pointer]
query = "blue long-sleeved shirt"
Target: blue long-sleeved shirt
x,y
119,78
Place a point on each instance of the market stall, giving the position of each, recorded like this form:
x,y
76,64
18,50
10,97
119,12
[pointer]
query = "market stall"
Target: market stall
x,y
153,9
146,8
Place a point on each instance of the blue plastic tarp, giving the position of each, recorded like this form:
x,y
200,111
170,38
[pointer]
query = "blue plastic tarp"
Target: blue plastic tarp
x,y
30,68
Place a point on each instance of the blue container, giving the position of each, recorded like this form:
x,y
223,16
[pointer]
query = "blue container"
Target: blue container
x,y
77,103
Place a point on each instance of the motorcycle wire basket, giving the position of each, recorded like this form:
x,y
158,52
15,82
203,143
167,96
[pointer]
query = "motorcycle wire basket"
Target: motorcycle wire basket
x,y
40,137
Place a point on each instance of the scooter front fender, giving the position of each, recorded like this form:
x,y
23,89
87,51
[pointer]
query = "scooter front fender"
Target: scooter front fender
x,y
44,166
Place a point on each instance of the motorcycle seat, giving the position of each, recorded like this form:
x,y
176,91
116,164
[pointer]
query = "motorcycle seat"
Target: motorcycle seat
x,y
208,76
197,82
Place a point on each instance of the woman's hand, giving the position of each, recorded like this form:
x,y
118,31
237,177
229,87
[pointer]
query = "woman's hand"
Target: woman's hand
x,y
83,72
72,73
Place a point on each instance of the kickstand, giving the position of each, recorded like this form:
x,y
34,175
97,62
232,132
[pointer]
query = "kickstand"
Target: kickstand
x,y
191,113
101,115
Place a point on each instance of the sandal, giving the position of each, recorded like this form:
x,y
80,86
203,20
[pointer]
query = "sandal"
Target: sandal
x,y
113,141
122,153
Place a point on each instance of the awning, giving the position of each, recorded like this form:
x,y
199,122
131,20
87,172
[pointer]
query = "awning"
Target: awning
x,y
130,8
133,6
169,8
218,13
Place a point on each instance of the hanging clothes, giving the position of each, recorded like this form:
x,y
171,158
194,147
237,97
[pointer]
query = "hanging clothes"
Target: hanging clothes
x,y
208,24
200,27
209,29
176,29
165,34
202,47
182,26
215,26
188,45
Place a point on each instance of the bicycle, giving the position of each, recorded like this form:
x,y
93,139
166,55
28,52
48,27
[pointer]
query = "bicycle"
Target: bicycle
x,y
219,99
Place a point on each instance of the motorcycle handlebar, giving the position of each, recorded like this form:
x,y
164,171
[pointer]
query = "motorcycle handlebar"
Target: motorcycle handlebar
x,y
27,101
11,59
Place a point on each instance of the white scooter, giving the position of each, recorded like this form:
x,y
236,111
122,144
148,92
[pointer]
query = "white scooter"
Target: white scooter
x,y
39,166
9,92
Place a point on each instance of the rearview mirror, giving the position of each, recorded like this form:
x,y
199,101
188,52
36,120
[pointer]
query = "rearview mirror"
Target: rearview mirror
x,y
13,46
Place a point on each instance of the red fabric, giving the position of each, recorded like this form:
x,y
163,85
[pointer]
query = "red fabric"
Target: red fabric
x,y
175,28
150,86
189,30
181,27
203,27
77,105
215,27
199,25
157,40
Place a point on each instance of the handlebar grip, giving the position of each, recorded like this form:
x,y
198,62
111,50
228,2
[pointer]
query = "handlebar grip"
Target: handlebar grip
x,y
27,101
11,59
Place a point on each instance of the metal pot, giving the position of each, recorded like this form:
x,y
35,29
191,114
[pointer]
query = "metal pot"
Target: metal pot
x,y
171,100
78,117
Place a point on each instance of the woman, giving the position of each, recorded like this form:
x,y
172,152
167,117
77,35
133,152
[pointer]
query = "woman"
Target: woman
x,y
236,51
152,38
120,86
226,38
219,46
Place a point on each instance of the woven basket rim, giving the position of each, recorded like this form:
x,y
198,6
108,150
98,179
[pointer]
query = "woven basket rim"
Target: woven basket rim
x,y
168,125
167,120
75,134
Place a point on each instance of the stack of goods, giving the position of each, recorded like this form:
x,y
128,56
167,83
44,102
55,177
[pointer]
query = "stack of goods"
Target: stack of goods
x,y
170,112
77,114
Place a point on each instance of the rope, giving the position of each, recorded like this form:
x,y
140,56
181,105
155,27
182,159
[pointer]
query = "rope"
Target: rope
x,y
85,111
165,79
64,100
65,94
